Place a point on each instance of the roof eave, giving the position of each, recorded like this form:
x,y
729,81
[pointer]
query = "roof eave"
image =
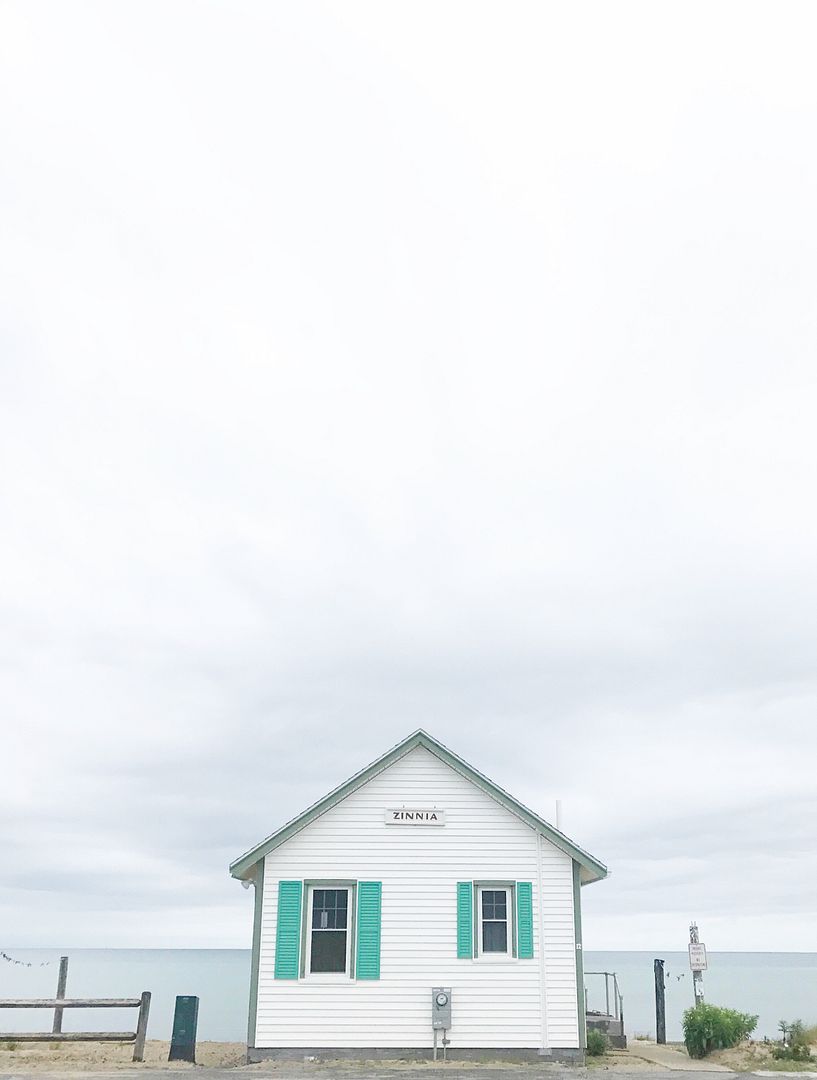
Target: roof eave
x,y
240,867
594,870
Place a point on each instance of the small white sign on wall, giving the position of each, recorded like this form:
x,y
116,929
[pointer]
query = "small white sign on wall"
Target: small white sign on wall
x,y
414,816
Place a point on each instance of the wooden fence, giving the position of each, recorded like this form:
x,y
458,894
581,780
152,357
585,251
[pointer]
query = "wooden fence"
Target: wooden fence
x,y
136,1037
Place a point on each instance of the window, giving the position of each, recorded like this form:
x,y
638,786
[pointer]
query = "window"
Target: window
x,y
329,937
495,914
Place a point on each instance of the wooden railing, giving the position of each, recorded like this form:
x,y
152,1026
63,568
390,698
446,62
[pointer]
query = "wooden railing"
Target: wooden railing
x,y
136,1037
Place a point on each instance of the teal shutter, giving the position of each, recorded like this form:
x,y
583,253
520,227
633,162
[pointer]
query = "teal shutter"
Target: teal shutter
x,y
465,920
368,929
524,920
288,930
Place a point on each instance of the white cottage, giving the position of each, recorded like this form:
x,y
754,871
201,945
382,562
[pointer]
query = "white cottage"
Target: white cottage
x,y
418,900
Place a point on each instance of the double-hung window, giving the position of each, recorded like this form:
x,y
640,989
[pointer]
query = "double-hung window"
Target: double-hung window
x,y
328,944
495,921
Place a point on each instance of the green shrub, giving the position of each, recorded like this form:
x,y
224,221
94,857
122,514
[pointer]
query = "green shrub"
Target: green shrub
x,y
791,1053
597,1043
796,1046
810,1034
708,1028
797,1034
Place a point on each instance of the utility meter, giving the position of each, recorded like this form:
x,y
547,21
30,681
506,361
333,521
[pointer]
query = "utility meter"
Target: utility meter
x,y
441,1007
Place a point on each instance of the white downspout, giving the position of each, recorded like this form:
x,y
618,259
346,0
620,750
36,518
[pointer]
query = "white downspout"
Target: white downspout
x,y
542,972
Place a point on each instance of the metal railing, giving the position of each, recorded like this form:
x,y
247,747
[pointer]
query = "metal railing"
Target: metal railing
x,y
609,994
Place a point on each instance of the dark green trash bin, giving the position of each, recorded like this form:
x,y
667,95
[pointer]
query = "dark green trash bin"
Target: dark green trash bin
x,y
185,1020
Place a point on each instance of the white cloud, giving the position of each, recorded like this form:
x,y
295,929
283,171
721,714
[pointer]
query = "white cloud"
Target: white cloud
x,y
367,367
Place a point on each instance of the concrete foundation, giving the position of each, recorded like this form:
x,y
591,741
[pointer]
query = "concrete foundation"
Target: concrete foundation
x,y
557,1055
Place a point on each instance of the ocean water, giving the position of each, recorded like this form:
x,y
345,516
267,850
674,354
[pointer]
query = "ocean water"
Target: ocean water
x,y
219,977
773,986
776,986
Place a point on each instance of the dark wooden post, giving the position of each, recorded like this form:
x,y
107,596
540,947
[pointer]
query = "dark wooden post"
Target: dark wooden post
x,y
660,1010
142,1027
62,981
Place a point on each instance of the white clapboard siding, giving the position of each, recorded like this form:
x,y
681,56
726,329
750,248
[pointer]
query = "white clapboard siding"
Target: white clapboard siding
x,y
495,1004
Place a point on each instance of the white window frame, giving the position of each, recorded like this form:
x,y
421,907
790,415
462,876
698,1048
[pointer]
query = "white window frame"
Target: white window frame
x,y
510,912
330,976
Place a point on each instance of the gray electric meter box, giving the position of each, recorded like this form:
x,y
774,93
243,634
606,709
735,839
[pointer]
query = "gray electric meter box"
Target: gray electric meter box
x,y
441,1007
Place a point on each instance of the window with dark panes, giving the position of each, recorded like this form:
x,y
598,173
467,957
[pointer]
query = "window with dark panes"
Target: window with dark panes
x,y
329,931
494,920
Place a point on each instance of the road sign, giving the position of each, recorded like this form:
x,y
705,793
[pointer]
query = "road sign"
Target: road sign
x,y
697,956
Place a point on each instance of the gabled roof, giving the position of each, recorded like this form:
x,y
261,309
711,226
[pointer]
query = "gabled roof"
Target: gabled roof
x,y
591,869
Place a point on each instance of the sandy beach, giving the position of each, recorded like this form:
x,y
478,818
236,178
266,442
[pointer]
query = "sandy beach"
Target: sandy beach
x,y
48,1058
102,1057
54,1059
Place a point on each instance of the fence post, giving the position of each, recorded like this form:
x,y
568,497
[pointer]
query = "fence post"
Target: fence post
x,y
62,981
142,1027
660,1010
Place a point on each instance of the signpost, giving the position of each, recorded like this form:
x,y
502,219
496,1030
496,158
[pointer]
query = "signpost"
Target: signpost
x,y
697,963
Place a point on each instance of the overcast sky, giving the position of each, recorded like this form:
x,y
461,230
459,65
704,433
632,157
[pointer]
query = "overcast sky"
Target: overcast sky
x,y
374,366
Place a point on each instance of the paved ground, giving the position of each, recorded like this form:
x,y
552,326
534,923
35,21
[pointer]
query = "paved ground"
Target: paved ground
x,y
667,1058
643,1061
358,1071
